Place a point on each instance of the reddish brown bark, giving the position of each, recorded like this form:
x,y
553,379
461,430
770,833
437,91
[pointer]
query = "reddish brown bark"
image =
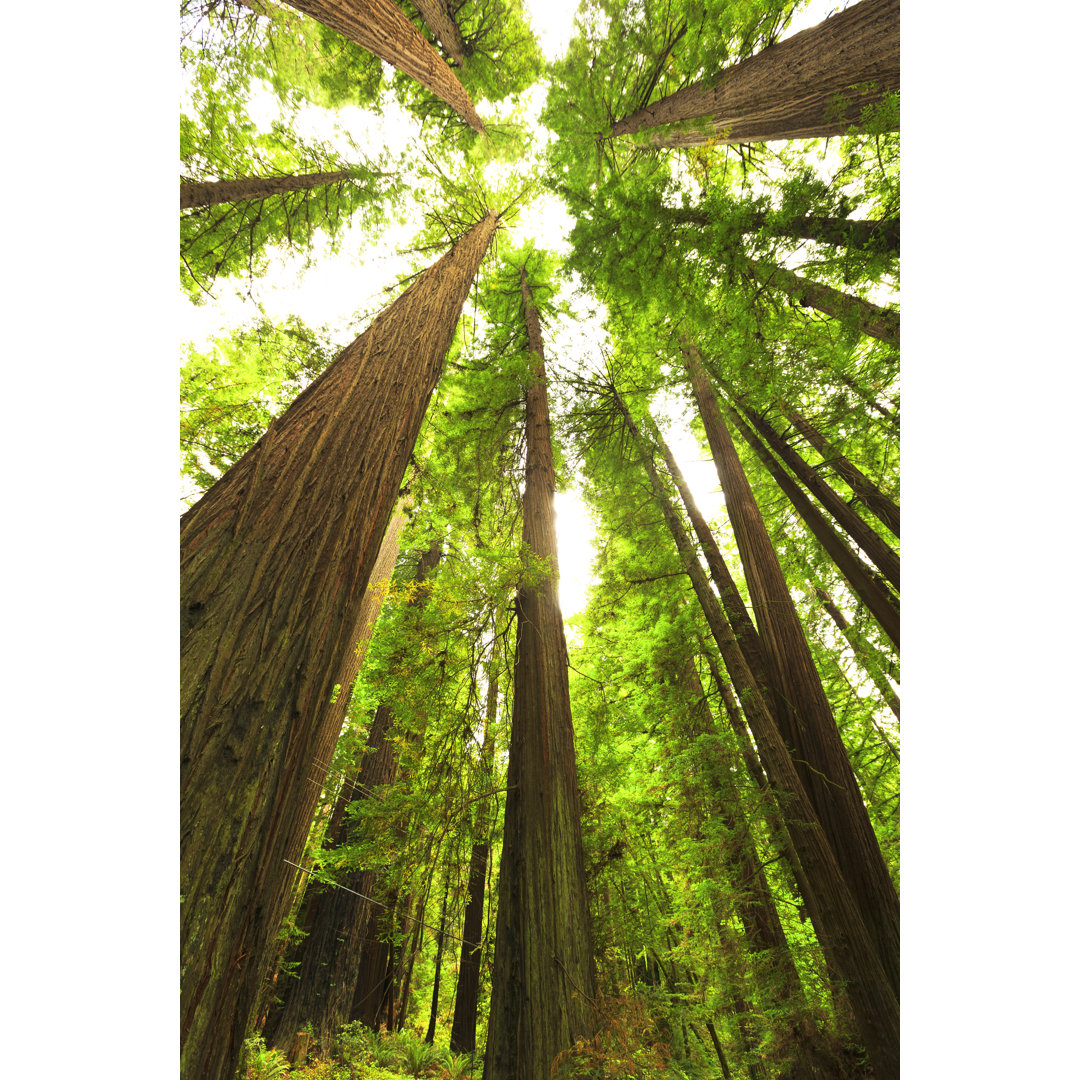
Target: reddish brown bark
x,y
803,86
879,504
275,563
825,770
870,589
381,27
440,22
870,319
881,555
837,916
252,187
542,982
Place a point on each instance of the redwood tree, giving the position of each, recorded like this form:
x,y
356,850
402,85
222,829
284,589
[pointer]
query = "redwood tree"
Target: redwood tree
x,y
275,563
813,84
542,983
211,193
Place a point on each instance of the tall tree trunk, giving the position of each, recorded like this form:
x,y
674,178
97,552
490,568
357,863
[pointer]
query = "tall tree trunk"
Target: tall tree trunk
x,y
381,27
870,319
797,86
369,997
436,15
275,562
542,983
837,916
211,193
439,938
881,555
873,592
824,770
463,1028
879,504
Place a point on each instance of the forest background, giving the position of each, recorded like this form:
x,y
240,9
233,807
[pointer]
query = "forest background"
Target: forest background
x,y
89,806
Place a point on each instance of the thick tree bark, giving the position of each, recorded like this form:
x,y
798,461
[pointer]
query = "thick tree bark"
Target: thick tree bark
x,y
873,592
370,996
381,27
796,87
825,770
440,22
463,1028
881,555
870,319
211,193
542,983
879,504
275,562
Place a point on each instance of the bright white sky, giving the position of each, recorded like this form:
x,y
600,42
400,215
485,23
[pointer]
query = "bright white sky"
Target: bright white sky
x,y
338,287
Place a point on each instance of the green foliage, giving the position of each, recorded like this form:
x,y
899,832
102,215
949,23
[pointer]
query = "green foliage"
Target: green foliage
x,y
259,1063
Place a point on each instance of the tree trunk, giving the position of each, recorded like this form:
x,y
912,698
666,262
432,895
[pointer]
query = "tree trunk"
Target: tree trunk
x,y
439,937
881,603
542,984
824,767
881,555
870,319
440,22
275,562
879,504
463,1028
369,997
381,27
802,86
211,193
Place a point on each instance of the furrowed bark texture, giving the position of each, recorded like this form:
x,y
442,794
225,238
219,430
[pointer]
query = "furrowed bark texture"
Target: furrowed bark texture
x,y
275,563
252,187
381,27
824,767
873,592
440,22
542,983
463,1028
879,504
796,86
837,919
870,319
881,555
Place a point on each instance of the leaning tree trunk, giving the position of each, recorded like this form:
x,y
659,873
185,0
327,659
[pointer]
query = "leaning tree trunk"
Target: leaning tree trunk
x,y
814,83
879,552
876,501
824,767
463,1028
440,22
870,589
439,939
275,563
381,27
867,318
542,982
211,193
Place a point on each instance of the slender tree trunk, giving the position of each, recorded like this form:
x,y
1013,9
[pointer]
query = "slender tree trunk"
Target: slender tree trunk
x,y
381,27
463,1028
542,983
879,504
275,562
873,592
436,15
825,770
804,85
881,555
439,937
253,187
711,1028
870,319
